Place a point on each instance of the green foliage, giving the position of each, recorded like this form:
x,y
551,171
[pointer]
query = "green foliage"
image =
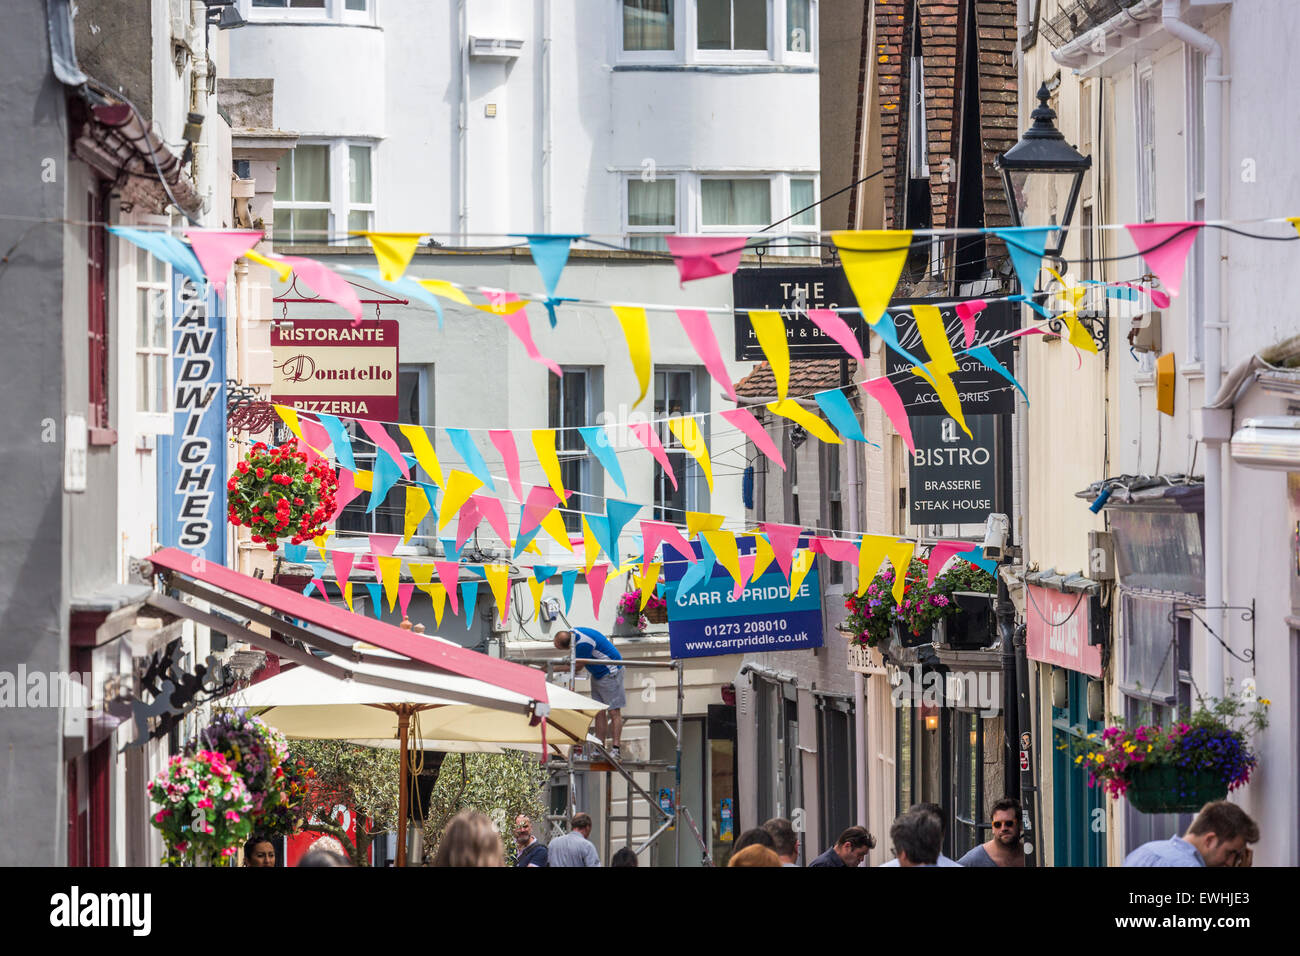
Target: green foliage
x,y
364,778
500,785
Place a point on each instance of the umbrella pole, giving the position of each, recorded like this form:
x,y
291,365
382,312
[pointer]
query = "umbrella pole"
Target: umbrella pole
x,y
404,783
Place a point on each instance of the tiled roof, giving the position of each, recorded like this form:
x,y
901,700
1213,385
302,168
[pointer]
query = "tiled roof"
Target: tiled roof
x,y
806,376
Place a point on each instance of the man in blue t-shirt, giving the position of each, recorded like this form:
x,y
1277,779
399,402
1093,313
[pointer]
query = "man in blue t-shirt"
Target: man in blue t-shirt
x,y
606,680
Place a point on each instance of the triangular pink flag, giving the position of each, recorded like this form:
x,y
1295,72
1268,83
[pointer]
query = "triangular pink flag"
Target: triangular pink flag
x,y
342,565
783,538
829,321
596,585
1164,246
449,578
700,332
384,544
883,391
940,555
320,586
648,437
744,419
307,450
1159,299
837,549
541,501
217,250
517,322
346,492
329,285
655,532
495,515
699,257
379,435
968,312
314,432
505,444
467,520
404,596
746,572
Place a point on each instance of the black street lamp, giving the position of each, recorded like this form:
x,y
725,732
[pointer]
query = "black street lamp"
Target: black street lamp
x,y
1043,163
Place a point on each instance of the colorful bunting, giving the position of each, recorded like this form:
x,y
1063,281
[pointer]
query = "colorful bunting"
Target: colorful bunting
x,y
1026,244
438,595
460,485
535,588
340,439
771,333
467,521
567,580
379,435
985,356
942,364
617,515
424,453
831,324
495,514
655,532
884,392
699,330
596,575
646,581
698,572
544,445
393,251
517,321
763,556
347,594
282,269
385,476
469,597
873,260
404,592
417,506
646,434
498,579
837,549
598,441
217,250
166,247
591,546
504,440
743,419
968,312
329,285
445,289
784,538
637,333
342,561
700,257
799,568
813,424
835,406
376,600
746,564
473,458
723,546
698,521
550,253
687,430
390,571
1164,246
449,578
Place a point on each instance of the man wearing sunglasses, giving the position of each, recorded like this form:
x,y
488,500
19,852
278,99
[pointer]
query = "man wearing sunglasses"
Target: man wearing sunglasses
x,y
1004,849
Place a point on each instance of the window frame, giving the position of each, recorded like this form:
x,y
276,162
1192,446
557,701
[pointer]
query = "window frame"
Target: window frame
x,y
686,52
918,138
581,499
725,228
630,232
731,55
674,55
1144,91
148,420
690,477
332,11
811,233
339,204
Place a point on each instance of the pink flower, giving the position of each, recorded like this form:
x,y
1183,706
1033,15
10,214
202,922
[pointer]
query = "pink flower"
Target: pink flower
x,y
161,815
205,803
228,851
182,847
232,815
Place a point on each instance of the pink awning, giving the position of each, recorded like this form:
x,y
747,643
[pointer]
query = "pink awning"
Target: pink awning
x,y
349,627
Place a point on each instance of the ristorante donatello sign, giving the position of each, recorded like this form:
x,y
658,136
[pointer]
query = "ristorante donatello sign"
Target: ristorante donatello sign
x,y
335,367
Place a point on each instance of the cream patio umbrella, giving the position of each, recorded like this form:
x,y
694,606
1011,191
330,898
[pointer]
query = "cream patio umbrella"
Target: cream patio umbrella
x,y
453,713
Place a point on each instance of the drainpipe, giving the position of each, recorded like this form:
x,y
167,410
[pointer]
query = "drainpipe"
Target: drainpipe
x,y
859,681
464,119
1210,265
547,156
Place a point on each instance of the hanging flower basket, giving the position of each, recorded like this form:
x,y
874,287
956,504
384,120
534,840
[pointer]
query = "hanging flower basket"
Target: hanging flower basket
x,y
908,638
973,626
1165,789
276,494
258,753
204,810
656,615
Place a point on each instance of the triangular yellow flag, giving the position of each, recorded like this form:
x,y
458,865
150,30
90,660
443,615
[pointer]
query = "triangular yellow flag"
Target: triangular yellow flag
x,y
460,486
535,588
498,579
590,547
320,540
445,289
544,443
422,448
799,568
283,269
929,322
688,433
900,556
871,555
438,594
393,251
813,424
771,333
648,580
390,572
1072,296
290,417
763,556
364,480
421,574
417,506
947,393
347,593
697,521
553,525
637,333
723,545
873,260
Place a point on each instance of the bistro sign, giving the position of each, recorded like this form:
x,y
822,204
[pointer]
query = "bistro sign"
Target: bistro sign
x,y
951,479
331,366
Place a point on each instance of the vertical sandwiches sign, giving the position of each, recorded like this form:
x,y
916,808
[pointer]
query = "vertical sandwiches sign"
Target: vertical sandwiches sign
x,y
335,367
192,459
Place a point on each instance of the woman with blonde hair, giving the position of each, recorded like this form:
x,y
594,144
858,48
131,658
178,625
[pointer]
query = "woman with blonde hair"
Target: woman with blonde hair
x,y
470,840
